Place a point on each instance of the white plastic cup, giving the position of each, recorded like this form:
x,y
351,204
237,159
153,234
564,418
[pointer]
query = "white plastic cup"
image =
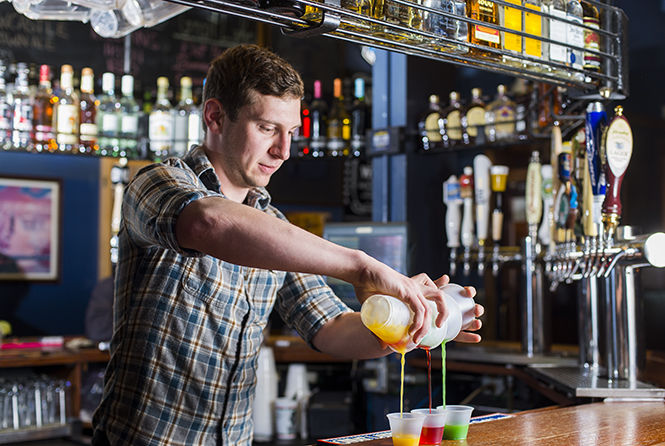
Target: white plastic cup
x,y
457,422
265,396
285,418
435,421
405,428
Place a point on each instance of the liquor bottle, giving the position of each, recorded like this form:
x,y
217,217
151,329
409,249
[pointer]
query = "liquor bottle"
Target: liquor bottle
x,y
533,25
522,92
42,113
445,26
430,126
358,118
339,123
557,30
453,128
160,125
129,119
5,112
512,19
398,14
22,110
66,112
484,11
500,117
300,139
591,19
475,117
319,114
88,113
182,111
362,7
107,118
575,36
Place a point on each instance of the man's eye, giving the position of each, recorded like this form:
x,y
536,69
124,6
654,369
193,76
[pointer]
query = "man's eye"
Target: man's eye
x,y
267,129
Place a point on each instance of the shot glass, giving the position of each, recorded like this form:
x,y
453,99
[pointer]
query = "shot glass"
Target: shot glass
x,y
405,428
457,422
435,420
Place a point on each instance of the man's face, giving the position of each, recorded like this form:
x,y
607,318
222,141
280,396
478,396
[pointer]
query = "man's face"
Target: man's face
x,y
251,148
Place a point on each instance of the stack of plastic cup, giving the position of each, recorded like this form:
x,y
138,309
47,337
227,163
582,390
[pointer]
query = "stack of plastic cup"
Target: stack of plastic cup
x,y
457,422
435,420
405,428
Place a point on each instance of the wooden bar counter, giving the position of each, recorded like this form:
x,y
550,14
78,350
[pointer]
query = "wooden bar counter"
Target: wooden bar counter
x,y
604,424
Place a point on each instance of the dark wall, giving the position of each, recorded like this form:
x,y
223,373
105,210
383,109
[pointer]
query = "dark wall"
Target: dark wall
x,y
58,308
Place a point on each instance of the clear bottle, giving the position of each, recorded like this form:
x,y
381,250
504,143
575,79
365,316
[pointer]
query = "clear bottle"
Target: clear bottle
x,y
475,117
319,116
557,30
43,137
484,11
389,319
67,112
5,112
129,119
362,7
430,126
575,36
591,18
398,14
107,117
359,115
453,128
183,111
500,117
88,114
339,123
22,110
446,26
160,125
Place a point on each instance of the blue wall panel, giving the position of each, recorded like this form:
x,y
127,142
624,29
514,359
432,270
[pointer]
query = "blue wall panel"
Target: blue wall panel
x,y
58,308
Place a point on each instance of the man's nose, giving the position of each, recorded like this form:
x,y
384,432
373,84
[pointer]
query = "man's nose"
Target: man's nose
x,y
282,146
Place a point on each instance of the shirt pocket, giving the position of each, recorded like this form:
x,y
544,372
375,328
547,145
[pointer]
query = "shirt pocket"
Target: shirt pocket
x,y
211,282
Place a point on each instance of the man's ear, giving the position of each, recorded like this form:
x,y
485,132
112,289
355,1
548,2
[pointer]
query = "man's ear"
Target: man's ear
x,y
213,115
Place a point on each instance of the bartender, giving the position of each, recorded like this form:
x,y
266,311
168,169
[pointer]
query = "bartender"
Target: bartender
x,y
203,260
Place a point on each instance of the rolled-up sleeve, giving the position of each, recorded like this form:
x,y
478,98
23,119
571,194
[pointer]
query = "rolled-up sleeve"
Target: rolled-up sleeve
x,y
153,201
306,303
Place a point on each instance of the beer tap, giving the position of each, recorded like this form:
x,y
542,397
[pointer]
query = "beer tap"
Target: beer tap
x,y
453,201
618,149
481,185
466,191
595,118
545,230
571,246
119,179
498,181
589,227
561,212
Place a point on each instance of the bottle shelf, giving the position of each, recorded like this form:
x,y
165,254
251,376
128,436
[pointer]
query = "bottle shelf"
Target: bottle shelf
x,y
331,19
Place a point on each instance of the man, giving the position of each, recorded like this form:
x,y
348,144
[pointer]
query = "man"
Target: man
x,y
203,260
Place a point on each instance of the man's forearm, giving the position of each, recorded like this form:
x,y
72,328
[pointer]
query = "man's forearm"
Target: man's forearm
x,y
347,337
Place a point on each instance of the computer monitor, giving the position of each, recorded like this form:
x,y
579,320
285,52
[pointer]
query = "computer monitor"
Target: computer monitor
x,y
386,242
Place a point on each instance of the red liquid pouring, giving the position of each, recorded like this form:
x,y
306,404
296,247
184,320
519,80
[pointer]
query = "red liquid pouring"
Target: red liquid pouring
x,y
429,377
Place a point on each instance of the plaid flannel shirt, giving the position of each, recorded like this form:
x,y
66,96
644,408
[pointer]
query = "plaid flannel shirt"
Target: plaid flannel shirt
x,y
188,326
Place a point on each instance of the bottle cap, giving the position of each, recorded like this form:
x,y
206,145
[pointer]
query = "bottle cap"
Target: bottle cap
x,y
186,81
108,81
163,81
127,84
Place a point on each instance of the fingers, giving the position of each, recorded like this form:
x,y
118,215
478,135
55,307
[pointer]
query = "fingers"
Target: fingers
x,y
478,310
442,281
424,279
469,338
470,291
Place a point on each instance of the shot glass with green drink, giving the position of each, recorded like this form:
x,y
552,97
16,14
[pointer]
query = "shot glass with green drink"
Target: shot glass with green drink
x,y
457,422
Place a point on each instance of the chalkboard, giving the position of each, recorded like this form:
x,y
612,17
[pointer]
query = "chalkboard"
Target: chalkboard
x,y
183,45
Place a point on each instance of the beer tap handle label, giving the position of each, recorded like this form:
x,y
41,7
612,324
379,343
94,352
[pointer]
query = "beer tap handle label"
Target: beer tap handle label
x,y
453,200
595,118
481,184
534,180
618,150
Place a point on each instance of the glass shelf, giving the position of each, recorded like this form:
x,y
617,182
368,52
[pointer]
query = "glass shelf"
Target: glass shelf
x,y
335,21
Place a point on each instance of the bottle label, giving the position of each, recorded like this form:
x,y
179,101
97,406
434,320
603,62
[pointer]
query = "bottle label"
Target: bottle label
x,y
194,130
67,120
88,131
619,146
475,117
160,130
558,33
512,20
533,24
591,42
432,127
22,115
487,34
454,125
505,115
109,123
129,124
575,36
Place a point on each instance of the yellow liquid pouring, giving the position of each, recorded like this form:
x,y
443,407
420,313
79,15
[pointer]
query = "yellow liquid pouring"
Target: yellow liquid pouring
x,y
401,389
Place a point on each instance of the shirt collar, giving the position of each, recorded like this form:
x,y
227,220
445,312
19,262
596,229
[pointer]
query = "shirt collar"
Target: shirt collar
x,y
197,160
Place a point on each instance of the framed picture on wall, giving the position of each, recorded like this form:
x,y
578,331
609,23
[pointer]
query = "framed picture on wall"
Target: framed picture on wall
x,y
29,229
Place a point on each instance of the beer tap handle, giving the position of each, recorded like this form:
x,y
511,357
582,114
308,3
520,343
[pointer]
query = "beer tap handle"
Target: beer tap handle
x,y
618,144
466,191
453,201
498,181
534,204
481,185
545,230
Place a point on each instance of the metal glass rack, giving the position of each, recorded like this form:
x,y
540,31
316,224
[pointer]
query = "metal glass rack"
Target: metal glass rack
x,y
329,18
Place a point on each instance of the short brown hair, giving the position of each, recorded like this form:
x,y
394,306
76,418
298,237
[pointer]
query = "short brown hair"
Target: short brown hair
x,y
238,71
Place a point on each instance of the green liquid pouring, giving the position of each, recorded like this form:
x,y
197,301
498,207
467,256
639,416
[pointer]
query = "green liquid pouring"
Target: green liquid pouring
x,y
443,373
